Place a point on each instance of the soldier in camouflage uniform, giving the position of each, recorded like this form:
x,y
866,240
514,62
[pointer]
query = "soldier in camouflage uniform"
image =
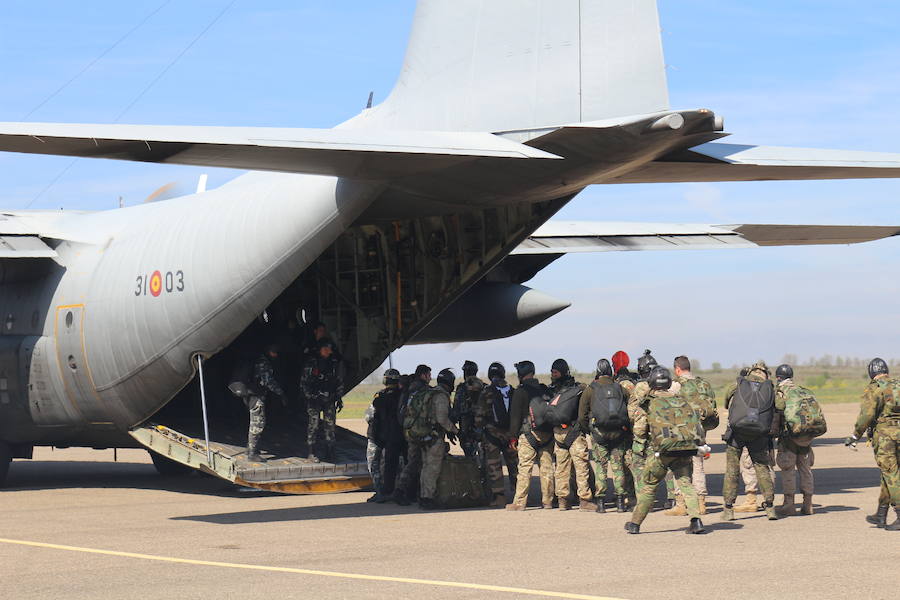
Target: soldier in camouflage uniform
x,y
880,411
759,454
262,383
323,389
571,444
386,434
463,412
637,411
533,445
499,433
661,461
609,446
625,379
794,453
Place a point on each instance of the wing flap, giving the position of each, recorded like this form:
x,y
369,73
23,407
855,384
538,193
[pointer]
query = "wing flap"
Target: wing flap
x,y
24,246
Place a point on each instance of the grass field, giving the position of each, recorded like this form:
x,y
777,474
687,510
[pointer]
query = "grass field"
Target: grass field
x,y
830,384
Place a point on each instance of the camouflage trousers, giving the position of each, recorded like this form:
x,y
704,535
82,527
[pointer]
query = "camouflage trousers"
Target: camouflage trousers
x,y
257,406
424,460
793,464
574,457
528,456
698,479
468,443
654,472
759,455
748,472
613,458
327,415
887,456
411,473
494,457
638,460
373,463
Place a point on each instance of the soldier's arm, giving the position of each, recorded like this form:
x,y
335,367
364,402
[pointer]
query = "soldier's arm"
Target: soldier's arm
x,y
307,384
729,394
584,409
518,408
442,412
868,410
265,375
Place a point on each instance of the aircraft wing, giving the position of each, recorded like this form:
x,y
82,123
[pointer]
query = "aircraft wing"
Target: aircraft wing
x,y
557,238
715,161
353,153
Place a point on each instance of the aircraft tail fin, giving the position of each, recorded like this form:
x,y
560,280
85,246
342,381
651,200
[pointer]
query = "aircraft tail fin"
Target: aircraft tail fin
x,y
506,65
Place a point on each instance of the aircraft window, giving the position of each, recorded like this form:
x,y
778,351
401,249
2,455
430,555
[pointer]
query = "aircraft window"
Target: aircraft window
x,y
10,319
72,364
69,318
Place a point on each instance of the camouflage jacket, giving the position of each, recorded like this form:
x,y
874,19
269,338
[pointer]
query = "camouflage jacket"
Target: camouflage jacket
x,y
637,412
264,377
465,399
321,381
491,416
879,407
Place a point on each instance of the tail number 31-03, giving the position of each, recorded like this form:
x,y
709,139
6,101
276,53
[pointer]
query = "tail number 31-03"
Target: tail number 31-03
x,y
159,282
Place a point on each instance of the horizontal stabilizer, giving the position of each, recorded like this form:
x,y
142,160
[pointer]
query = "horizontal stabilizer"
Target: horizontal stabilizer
x,y
716,161
567,237
358,154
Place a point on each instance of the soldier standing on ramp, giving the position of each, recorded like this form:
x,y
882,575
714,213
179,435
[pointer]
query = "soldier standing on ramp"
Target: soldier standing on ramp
x,y
880,411
323,389
262,382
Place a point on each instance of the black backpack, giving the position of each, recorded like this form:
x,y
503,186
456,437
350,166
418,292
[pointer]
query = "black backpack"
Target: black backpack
x,y
752,408
240,383
609,408
562,409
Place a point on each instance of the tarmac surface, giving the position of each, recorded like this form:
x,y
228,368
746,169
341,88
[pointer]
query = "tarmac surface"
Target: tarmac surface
x,y
76,525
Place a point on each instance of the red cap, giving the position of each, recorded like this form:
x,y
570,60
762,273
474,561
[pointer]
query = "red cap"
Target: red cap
x,y
620,360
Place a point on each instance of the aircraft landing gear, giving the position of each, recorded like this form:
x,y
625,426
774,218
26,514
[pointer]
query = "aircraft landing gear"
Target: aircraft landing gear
x,y
5,460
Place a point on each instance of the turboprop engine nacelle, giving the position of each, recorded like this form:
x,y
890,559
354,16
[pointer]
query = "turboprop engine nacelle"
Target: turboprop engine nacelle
x,y
491,310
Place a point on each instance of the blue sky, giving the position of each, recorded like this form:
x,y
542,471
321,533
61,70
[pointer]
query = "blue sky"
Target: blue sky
x,y
817,74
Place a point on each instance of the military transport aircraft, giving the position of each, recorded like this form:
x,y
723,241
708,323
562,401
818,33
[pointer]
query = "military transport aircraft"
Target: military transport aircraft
x,y
386,228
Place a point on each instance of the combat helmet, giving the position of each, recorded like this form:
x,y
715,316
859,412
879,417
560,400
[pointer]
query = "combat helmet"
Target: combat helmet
x,y
446,378
877,367
391,377
560,365
469,369
524,368
496,371
760,365
784,372
645,364
604,368
659,379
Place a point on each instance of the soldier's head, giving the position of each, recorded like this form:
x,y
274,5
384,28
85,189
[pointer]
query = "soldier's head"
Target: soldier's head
x,y
877,367
391,378
620,361
403,382
325,347
496,371
446,378
525,369
469,369
423,373
784,372
760,368
659,379
271,350
559,369
319,330
681,366
604,369
645,364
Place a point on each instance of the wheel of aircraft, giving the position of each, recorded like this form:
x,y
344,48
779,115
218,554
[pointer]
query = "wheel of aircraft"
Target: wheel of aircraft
x,y
168,467
5,460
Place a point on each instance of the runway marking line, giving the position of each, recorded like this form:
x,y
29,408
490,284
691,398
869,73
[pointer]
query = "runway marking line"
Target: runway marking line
x,y
211,563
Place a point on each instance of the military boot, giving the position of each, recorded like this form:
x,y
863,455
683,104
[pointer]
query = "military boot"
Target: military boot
x,y
252,453
702,500
770,512
632,527
499,500
601,505
515,506
787,508
807,508
749,504
696,526
669,504
620,503
895,526
587,505
879,519
679,510
563,504
727,514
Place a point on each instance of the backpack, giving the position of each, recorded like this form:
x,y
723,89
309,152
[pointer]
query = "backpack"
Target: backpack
x,y
562,408
752,408
802,414
609,407
461,484
674,424
240,383
418,421
891,409
702,397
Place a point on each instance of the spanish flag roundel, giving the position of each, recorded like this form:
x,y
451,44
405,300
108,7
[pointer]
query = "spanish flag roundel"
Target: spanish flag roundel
x,y
156,283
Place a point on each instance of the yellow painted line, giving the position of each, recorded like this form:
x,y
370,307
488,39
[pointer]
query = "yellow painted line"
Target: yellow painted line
x,y
211,563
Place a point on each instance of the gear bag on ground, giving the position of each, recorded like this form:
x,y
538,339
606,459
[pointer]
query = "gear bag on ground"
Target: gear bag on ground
x,y
418,422
562,409
674,424
752,408
803,416
609,407
461,484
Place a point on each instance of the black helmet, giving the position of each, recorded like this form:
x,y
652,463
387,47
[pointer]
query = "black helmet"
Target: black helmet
x,y
877,367
784,372
324,343
271,349
446,378
645,364
421,370
469,369
523,368
604,368
496,371
560,365
391,377
660,378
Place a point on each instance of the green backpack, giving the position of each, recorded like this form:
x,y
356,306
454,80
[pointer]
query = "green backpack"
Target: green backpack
x,y
674,424
803,416
702,397
419,421
892,410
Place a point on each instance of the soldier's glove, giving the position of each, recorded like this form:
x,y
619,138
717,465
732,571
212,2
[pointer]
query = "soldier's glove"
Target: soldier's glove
x,y
340,404
451,437
513,444
850,442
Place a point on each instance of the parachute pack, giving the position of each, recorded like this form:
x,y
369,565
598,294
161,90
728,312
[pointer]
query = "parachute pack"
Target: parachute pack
x,y
239,383
419,421
752,408
461,484
892,410
803,416
560,410
702,397
609,407
674,424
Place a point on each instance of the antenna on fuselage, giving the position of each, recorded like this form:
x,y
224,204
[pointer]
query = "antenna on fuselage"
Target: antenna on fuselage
x,y
371,98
